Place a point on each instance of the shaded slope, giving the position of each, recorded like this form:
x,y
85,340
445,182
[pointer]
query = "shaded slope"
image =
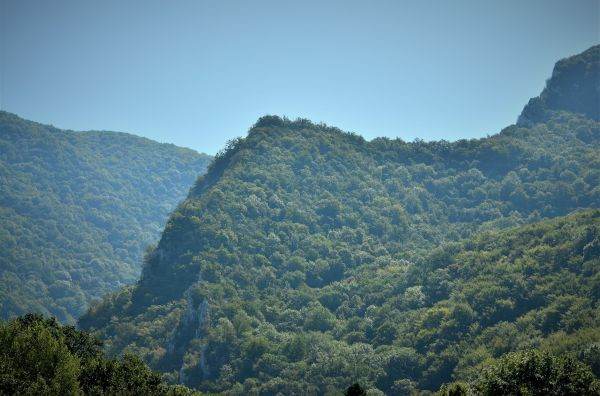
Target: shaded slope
x,y
574,87
77,209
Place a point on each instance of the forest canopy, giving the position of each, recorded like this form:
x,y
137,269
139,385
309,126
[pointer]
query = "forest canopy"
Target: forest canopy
x,y
308,259
38,356
77,211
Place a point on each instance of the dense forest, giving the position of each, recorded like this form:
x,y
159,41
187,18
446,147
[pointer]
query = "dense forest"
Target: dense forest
x,y
307,259
77,210
39,356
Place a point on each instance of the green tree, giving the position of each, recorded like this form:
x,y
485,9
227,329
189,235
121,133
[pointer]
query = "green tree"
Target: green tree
x,y
39,356
537,373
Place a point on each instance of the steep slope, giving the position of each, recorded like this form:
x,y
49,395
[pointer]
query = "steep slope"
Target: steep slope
x,y
77,209
574,86
302,261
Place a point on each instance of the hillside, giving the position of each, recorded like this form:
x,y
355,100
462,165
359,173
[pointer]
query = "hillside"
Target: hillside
x,y
77,210
308,258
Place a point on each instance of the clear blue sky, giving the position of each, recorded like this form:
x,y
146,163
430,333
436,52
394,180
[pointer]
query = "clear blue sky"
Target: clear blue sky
x,y
197,73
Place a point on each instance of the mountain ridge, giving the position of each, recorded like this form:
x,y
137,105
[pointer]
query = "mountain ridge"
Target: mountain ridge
x,y
574,86
86,203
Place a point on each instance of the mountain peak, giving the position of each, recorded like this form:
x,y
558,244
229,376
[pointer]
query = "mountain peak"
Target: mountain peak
x,y
574,87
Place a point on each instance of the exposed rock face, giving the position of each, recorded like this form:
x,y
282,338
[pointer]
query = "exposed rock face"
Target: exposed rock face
x,y
574,87
193,325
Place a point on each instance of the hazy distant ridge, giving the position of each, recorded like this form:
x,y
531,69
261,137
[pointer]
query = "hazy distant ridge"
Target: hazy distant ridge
x,y
77,209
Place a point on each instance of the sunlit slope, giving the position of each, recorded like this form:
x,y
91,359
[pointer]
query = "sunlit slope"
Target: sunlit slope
x,y
308,258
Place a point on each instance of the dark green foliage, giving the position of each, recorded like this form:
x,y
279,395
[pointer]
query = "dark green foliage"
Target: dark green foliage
x,y
307,259
355,390
77,210
574,87
591,357
39,356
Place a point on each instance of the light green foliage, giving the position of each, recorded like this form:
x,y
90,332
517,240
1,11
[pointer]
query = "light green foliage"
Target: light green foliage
x,y
40,357
77,211
534,373
34,361
530,373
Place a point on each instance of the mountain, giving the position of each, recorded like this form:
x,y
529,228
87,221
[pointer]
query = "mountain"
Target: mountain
x,y
77,210
574,86
307,258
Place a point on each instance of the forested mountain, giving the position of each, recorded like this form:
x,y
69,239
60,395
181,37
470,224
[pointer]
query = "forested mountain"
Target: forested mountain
x,y
307,259
574,86
77,210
